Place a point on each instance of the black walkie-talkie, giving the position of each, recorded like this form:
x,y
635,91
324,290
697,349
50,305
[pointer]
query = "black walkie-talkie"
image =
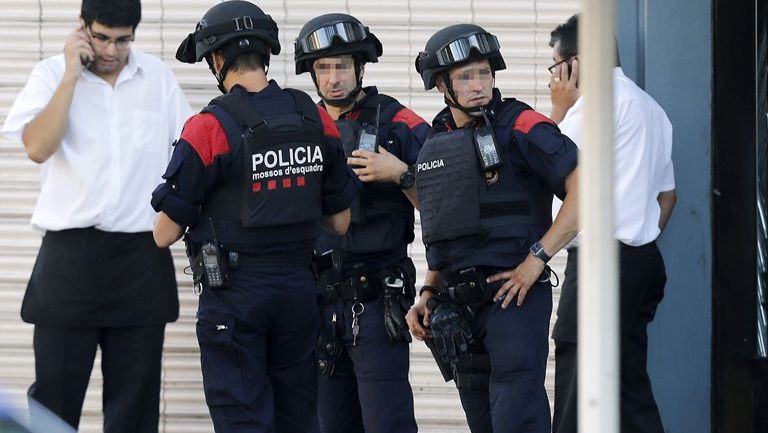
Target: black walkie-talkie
x,y
485,144
214,263
368,139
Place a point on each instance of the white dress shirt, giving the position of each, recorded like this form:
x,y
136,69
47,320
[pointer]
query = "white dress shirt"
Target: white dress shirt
x,y
642,159
116,146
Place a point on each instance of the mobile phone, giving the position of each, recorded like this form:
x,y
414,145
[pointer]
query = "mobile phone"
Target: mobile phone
x,y
84,60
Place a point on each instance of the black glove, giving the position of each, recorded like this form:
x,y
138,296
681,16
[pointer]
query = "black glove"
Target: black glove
x,y
396,305
451,328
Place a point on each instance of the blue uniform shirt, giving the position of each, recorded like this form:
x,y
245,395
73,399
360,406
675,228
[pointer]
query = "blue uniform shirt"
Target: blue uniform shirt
x,y
202,161
403,136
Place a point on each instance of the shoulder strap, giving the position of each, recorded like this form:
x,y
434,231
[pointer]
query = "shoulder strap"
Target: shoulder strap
x,y
387,106
305,105
509,110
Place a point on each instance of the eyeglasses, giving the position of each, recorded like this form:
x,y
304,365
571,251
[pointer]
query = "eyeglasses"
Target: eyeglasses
x,y
459,50
552,68
322,38
103,41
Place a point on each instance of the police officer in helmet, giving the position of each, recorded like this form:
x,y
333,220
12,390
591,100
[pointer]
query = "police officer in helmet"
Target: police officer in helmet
x,y
363,347
252,179
485,178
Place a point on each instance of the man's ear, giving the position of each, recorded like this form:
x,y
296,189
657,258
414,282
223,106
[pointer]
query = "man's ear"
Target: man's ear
x,y
218,61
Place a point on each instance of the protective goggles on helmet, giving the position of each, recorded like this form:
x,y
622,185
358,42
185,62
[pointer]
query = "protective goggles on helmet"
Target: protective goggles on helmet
x,y
322,38
459,50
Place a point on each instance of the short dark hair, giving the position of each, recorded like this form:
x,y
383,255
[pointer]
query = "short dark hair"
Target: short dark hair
x,y
249,61
111,13
567,35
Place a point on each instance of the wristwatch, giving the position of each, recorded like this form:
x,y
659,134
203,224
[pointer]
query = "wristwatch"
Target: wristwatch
x,y
408,178
538,251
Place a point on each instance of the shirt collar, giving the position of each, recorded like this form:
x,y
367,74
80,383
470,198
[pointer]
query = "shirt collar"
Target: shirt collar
x,y
368,93
132,67
444,119
270,90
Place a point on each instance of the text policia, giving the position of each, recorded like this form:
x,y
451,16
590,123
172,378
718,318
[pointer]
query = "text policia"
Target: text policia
x,y
293,161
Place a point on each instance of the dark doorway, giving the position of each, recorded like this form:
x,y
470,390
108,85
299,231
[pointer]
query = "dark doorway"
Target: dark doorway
x,y
740,218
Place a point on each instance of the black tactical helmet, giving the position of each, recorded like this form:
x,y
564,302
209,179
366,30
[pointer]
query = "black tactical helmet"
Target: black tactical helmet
x,y
231,21
454,46
334,35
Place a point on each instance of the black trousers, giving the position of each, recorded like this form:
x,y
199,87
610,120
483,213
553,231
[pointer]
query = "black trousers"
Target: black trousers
x,y
130,364
642,280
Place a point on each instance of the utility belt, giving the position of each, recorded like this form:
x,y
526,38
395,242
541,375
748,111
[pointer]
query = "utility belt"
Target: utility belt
x,y
362,285
468,286
210,263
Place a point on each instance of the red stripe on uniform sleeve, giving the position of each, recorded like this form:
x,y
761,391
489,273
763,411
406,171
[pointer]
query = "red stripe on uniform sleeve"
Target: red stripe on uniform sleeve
x,y
408,117
329,126
530,118
204,133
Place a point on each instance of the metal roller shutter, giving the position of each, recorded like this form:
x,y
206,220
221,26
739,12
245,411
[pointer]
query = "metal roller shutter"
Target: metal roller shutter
x,y
36,29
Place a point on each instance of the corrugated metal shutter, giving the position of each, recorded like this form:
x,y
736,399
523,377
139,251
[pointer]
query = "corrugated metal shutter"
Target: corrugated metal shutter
x,y
36,29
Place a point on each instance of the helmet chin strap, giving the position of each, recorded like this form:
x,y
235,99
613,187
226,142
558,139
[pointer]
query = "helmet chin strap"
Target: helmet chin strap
x,y
453,101
341,102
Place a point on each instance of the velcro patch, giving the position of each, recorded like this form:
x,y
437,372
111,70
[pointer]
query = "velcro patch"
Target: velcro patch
x,y
530,118
206,136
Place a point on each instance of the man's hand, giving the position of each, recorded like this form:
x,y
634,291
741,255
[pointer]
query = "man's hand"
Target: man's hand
x,y
419,309
518,280
76,48
377,166
564,90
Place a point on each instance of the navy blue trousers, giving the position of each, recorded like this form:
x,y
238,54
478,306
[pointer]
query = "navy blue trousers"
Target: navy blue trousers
x,y
369,390
516,339
257,339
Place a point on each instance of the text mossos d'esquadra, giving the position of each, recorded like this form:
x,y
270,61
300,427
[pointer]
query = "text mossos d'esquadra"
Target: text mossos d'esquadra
x,y
299,160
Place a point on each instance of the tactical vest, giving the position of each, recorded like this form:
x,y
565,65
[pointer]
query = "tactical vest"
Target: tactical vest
x,y
455,198
382,217
274,193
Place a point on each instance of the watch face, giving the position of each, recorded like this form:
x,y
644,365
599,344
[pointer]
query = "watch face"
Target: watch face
x,y
407,180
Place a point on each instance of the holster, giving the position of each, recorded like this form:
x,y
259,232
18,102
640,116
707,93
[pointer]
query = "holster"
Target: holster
x,y
208,263
328,351
472,289
446,368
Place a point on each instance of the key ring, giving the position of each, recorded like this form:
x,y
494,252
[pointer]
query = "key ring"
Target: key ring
x,y
355,305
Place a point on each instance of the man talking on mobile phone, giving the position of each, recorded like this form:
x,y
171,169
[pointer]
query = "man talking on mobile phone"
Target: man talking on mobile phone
x,y
99,119
644,197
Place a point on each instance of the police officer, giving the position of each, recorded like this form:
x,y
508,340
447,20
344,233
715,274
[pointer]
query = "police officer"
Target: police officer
x,y
485,179
363,347
253,177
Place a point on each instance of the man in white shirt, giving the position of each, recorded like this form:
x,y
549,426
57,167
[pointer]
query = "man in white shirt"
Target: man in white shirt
x,y
644,185
100,119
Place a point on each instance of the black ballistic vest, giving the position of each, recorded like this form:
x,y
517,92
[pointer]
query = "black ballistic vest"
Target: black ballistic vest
x,y
382,217
274,193
457,201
